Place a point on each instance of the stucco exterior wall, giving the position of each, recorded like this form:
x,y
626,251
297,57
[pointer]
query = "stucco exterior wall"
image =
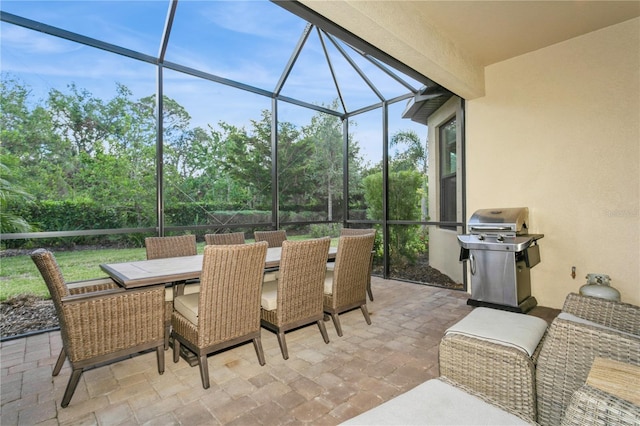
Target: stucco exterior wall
x,y
559,131
444,250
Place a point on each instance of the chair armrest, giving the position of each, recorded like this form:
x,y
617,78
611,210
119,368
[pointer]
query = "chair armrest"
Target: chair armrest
x,y
100,294
106,322
86,286
621,316
501,374
592,406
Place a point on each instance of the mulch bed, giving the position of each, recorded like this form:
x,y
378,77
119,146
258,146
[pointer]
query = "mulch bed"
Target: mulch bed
x,y
25,314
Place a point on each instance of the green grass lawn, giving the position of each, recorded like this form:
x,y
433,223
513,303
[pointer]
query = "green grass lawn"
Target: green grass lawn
x,y
19,275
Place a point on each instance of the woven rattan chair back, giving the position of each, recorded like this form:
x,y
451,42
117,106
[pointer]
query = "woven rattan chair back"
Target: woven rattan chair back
x,y
356,231
300,289
228,303
88,343
366,231
163,247
52,275
351,270
225,239
274,238
350,277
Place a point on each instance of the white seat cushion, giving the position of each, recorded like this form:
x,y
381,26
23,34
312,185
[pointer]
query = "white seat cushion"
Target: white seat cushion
x,y
269,295
187,305
270,276
168,294
191,288
328,282
506,328
331,266
435,402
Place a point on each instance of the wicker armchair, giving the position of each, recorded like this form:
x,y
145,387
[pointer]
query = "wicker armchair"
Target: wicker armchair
x,y
345,286
621,316
162,248
225,239
122,322
566,357
356,231
274,238
226,312
295,299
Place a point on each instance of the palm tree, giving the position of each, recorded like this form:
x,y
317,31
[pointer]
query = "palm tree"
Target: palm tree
x,y
9,191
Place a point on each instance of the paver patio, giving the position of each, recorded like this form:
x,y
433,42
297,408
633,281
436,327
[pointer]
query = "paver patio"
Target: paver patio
x,y
320,383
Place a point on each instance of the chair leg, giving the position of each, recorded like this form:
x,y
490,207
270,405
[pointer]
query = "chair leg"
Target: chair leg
x,y
167,333
71,386
204,370
323,331
176,349
257,344
59,362
283,345
160,356
369,290
336,323
365,312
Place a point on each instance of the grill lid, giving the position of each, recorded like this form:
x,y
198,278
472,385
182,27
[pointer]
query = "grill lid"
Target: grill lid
x,y
513,220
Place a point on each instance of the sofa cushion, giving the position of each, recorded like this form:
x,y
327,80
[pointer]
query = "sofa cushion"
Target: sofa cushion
x,y
187,305
436,403
506,328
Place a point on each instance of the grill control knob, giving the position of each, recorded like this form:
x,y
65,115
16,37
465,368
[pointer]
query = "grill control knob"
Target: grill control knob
x,y
500,238
481,237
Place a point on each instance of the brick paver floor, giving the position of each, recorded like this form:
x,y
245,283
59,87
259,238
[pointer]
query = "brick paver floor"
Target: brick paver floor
x,y
320,383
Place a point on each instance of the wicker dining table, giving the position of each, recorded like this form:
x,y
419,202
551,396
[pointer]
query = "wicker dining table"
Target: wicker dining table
x,y
174,269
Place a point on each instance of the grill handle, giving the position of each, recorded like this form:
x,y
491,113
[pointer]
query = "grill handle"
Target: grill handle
x,y
472,264
490,228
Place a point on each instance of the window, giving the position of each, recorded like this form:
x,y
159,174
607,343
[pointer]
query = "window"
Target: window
x,y
448,166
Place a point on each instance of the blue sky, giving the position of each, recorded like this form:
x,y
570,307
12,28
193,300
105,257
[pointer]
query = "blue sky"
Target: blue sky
x,y
245,41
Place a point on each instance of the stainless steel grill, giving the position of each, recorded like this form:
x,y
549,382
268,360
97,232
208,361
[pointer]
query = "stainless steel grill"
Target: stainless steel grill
x,y
501,252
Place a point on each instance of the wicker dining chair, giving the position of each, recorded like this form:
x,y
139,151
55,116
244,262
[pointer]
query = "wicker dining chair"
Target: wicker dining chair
x,y
101,322
345,286
295,299
226,312
566,357
175,246
356,231
224,239
274,238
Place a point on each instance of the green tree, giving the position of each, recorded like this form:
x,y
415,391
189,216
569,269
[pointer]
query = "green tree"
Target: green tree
x,y
403,191
414,157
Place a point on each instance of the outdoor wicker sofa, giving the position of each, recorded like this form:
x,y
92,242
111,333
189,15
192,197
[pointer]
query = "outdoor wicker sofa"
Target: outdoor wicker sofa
x,y
587,329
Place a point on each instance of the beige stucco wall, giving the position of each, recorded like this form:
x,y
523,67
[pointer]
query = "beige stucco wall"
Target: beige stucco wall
x,y
444,250
559,131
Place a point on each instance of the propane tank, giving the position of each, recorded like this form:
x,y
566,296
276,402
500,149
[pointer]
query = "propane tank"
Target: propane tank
x,y
598,285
